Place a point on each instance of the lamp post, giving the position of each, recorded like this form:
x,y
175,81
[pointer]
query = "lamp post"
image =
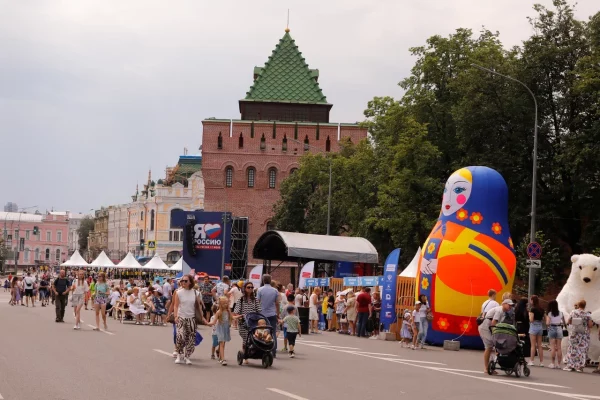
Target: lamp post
x,y
306,147
531,287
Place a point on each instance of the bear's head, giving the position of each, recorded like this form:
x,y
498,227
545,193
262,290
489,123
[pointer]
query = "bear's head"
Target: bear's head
x,y
585,268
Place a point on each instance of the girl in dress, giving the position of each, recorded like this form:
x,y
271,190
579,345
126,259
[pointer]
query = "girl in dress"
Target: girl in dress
x,y
101,299
406,332
136,306
222,321
579,338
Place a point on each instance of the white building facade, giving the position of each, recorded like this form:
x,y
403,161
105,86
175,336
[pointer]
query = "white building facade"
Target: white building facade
x,y
118,217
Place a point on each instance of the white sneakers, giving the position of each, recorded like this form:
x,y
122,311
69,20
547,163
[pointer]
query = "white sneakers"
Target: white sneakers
x,y
188,362
178,360
181,360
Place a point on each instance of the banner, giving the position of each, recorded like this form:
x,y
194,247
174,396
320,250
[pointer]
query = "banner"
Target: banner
x,y
317,282
388,292
363,281
343,269
206,232
306,273
256,275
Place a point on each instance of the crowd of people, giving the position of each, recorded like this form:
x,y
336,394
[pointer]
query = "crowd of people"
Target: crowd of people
x,y
529,319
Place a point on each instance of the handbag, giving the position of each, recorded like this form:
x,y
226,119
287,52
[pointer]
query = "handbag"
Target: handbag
x,y
430,316
171,318
481,317
198,310
565,331
344,319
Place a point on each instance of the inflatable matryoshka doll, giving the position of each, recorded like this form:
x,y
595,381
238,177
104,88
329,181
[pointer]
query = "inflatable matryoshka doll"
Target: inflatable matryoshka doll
x,y
468,252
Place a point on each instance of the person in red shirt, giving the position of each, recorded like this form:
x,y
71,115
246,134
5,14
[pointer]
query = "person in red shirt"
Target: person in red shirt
x,y
363,308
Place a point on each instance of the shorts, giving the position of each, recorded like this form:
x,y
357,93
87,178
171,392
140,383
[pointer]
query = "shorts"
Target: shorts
x,y
330,313
77,300
313,314
486,335
555,332
100,300
29,292
43,294
285,332
536,328
215,340
291,337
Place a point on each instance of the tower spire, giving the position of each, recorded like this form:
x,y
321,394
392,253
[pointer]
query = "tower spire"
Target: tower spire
x,y
287,26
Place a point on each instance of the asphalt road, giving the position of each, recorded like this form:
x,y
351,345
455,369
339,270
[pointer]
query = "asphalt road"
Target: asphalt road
x,y
41,359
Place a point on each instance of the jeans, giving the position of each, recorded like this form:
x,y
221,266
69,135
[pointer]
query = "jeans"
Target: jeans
x,y
361,324
423,330
274,322
61,303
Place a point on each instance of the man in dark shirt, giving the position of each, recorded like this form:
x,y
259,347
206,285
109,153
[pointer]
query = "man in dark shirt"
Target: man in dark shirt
x,y
61,289
363,304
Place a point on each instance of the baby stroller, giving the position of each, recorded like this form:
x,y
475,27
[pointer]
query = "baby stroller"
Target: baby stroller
x,y
254,348
509,351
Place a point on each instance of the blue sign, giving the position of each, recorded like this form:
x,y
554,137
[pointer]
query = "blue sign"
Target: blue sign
x,y
388,291
343,269
208,237
317,282
534,250
363,281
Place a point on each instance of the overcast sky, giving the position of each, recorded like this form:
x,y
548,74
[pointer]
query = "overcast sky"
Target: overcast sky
x,y
94,93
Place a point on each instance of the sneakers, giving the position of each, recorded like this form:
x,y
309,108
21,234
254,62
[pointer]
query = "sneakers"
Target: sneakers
x,y
292,354
373,337
531,363
552,366
223,363
284,350
568,369
541,365
178,360
187,361
212,357
174,354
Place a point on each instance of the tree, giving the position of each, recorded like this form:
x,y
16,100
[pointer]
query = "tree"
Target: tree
x,y
552,270
87,226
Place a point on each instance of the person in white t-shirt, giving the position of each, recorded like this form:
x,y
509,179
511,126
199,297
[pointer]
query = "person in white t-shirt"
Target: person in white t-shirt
x,y
79,287
299,298
29,284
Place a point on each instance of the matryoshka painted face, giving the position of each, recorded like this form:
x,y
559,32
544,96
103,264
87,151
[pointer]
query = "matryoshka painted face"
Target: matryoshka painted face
x,y
456,193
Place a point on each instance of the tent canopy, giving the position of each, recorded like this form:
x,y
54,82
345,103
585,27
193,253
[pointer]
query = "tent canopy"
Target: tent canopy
x,y
75,261
129,262
293,246
411,269
178,266
156,264
102,261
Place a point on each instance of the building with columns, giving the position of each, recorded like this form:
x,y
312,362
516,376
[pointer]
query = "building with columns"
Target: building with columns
x,y
118,218
283,113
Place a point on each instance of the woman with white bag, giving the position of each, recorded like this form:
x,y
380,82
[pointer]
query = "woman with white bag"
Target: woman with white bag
x,y
580,323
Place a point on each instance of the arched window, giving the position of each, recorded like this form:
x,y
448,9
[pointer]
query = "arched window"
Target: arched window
x,y
272,178
141,234
36,255
284,143
241,141
229,176
142,216
251,176
151,220
173,213
274,130
293,170
57,254
220,141
328,144
306,144
26,255
173,257
47,255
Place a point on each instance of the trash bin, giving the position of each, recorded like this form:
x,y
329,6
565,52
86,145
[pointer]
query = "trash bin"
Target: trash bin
x,y
304,322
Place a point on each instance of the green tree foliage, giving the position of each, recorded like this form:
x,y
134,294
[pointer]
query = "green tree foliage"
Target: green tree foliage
x,y
388,188
551,271
87,226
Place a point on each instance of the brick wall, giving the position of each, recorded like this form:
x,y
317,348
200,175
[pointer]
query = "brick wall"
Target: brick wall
x,y
257,203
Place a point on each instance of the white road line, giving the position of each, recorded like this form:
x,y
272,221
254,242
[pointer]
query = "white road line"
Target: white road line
x,y
287,394
342,347
461,370
163,352
311,341
533,383
1,398
102,330
400,360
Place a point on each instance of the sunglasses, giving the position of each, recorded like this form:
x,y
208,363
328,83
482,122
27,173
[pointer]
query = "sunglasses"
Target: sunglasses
x,y
250,287
186,281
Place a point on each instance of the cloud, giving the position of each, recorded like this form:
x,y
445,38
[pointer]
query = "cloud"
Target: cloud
x,y
94,93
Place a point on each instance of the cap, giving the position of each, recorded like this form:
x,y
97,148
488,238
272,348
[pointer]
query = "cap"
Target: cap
x,y
417,303
509,302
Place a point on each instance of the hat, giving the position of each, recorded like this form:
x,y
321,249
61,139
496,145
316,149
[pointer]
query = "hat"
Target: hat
x,y
240,283
509,302
417,303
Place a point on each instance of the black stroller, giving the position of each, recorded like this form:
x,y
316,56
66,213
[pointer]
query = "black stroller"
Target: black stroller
x,y
509,351
255,348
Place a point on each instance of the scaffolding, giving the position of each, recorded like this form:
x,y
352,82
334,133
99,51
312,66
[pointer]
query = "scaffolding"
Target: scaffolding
x,y
239,247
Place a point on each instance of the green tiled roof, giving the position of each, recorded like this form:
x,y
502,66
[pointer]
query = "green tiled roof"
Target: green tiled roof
x,y
286,77
189,164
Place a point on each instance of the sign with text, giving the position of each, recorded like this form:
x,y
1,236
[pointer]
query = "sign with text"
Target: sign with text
x,y
210,238
363,281
388,291
317,282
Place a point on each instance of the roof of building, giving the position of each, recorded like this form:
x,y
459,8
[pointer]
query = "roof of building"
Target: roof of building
x,y
189,164
22,217
286,77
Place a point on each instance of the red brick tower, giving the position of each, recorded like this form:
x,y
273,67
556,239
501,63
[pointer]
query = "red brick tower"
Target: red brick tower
x,y
244,161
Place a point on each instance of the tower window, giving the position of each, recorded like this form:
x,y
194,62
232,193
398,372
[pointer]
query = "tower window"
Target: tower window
x,y
274,130
151,220
241,141
284,143
252,130
220,141
317,133
263,142
296,131
272,178
306,144
229,176
251,176
328,144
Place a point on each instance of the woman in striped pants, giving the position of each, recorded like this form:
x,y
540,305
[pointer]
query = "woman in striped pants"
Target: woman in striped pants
x,y
184,302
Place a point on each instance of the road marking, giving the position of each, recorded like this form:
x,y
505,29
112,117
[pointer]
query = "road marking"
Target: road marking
x,y
101,330
342,347
462,370
1,398
311,341
533,383
163,352
287,394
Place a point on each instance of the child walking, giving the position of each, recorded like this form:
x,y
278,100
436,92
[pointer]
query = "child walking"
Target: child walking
x,y
222,322
293,328
215,339
406,332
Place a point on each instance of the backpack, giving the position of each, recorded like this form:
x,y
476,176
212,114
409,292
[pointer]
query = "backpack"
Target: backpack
x,y
577,325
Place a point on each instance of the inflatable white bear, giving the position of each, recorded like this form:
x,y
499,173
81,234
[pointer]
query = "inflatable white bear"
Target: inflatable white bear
x,y
583,284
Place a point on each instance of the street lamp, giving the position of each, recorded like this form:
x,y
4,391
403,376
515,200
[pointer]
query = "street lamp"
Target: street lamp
x,y
531,287
306,147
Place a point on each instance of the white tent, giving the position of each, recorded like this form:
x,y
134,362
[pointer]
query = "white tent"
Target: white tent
x,y
179,265
156,264
102,261
75,261
129,262
411,270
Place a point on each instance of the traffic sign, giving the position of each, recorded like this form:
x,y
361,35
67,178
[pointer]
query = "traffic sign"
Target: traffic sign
x,y
534,264
534,250
151,244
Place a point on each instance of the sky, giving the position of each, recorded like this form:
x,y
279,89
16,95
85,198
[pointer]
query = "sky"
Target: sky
x,y
93,94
